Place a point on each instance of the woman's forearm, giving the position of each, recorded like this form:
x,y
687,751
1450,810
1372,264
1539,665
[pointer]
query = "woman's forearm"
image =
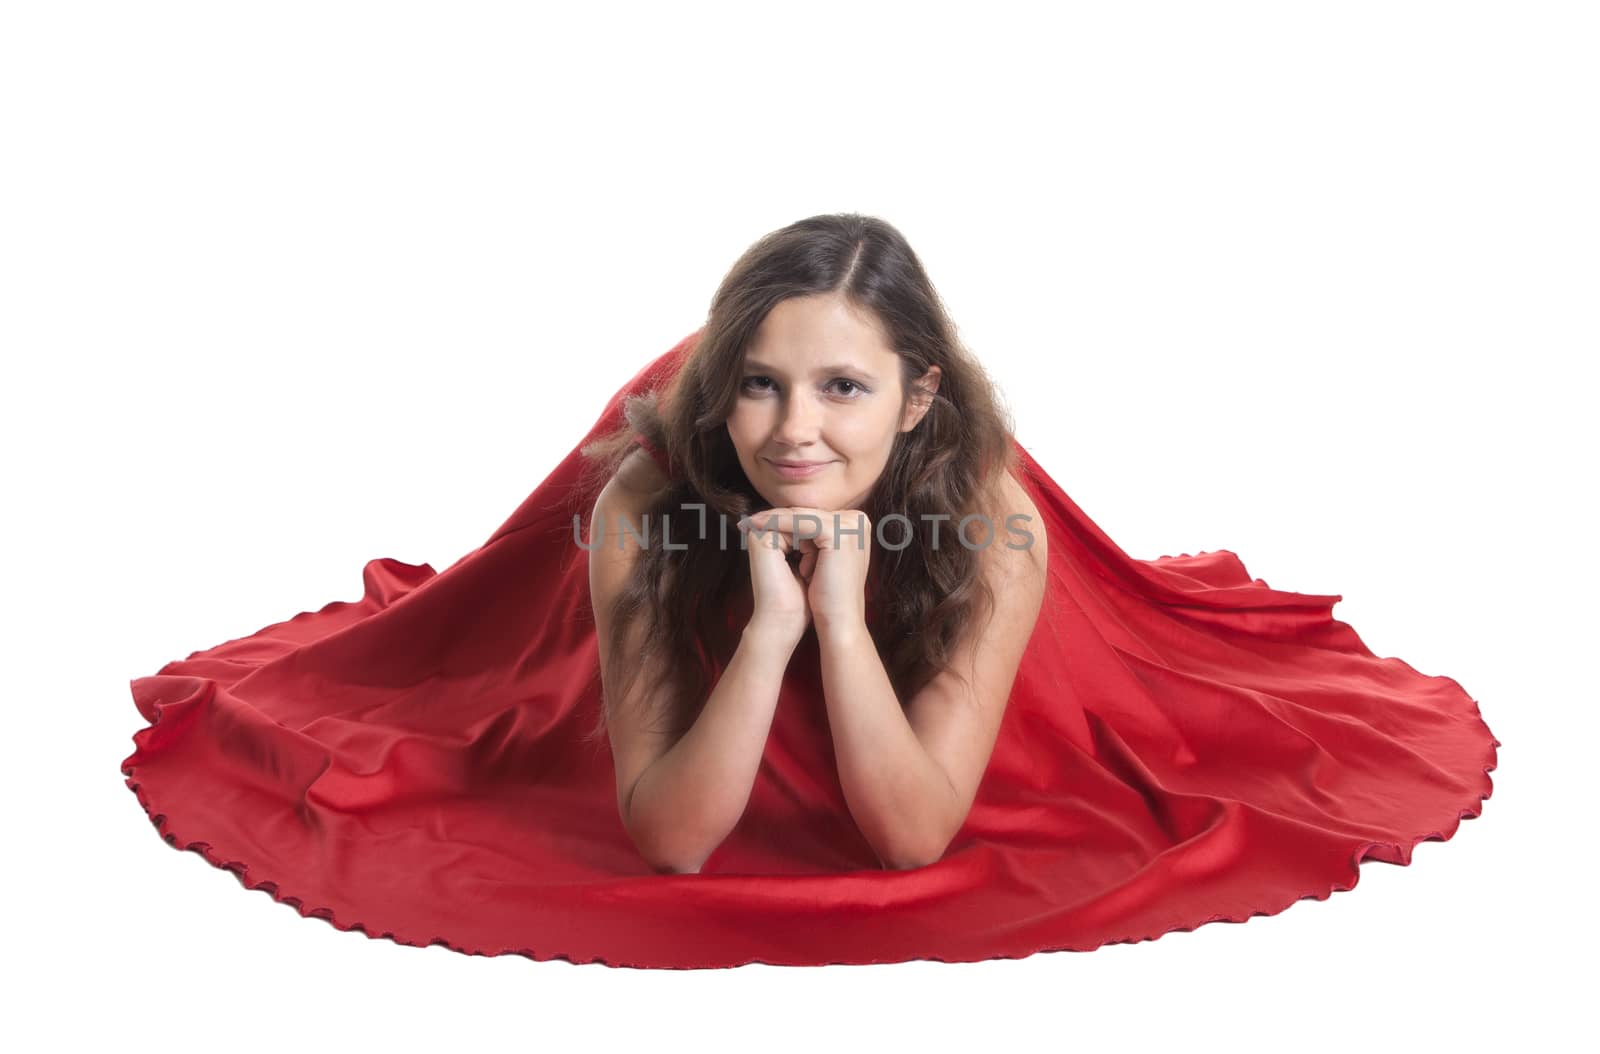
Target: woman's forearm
x,y
900,798
689,800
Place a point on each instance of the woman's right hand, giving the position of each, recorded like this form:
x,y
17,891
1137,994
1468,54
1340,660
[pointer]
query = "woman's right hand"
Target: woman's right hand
x,y
778,592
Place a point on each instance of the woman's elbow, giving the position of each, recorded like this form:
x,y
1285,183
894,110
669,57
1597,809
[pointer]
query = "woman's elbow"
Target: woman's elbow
x,y
674,868
665,859
911,861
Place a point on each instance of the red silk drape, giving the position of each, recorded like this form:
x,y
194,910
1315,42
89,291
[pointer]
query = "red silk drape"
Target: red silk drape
x,y
1183,745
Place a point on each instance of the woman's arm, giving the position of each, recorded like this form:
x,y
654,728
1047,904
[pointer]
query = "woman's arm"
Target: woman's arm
x,y
910,776
679,799
691,797
898,795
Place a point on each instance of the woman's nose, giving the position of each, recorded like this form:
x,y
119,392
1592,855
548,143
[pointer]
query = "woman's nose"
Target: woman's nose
x,y
797,422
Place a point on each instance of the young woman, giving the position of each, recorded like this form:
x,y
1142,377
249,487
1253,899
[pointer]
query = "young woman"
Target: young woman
x,y
918,706
828,391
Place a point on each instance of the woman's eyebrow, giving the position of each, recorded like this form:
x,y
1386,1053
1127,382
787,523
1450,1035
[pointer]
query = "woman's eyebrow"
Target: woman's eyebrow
x,y
843,367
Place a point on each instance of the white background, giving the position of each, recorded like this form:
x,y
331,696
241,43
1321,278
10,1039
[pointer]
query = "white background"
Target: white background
x,y
289,287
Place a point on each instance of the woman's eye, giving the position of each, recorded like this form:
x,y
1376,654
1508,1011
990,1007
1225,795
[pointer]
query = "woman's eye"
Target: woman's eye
x,y
757,383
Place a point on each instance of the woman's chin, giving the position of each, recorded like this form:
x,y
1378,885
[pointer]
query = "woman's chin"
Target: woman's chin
x,y
799,493
798,496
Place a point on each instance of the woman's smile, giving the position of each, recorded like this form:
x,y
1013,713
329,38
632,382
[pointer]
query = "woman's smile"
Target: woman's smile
x,y
798,469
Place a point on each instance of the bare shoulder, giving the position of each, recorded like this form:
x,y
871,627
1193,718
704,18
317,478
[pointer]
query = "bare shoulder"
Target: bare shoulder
x,y
626,497
637,481
1019,523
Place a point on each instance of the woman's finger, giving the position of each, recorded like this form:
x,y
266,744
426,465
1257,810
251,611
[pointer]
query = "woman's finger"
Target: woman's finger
x,y
770,537
815,528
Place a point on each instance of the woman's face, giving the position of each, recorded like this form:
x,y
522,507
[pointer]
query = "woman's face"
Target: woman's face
x,y
821,385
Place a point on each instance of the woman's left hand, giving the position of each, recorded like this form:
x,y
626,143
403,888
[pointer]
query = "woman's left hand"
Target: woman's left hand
x,y
836,549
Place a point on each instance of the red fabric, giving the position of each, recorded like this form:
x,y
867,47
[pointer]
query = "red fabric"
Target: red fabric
x,y
1183,745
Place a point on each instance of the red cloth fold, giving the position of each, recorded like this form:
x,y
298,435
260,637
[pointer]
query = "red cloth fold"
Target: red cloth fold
x,y
1183,744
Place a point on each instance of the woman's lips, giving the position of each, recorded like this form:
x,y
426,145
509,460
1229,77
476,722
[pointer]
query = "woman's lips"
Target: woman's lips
x,y
798,471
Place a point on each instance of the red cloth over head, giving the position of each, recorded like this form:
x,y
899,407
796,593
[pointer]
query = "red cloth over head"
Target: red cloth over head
x,y
1183,744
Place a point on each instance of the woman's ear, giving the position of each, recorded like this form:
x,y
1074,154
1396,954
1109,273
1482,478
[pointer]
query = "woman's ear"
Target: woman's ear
x,y
921,400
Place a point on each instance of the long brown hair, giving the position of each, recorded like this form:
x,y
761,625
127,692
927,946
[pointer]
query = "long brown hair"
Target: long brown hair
x,y
950,464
